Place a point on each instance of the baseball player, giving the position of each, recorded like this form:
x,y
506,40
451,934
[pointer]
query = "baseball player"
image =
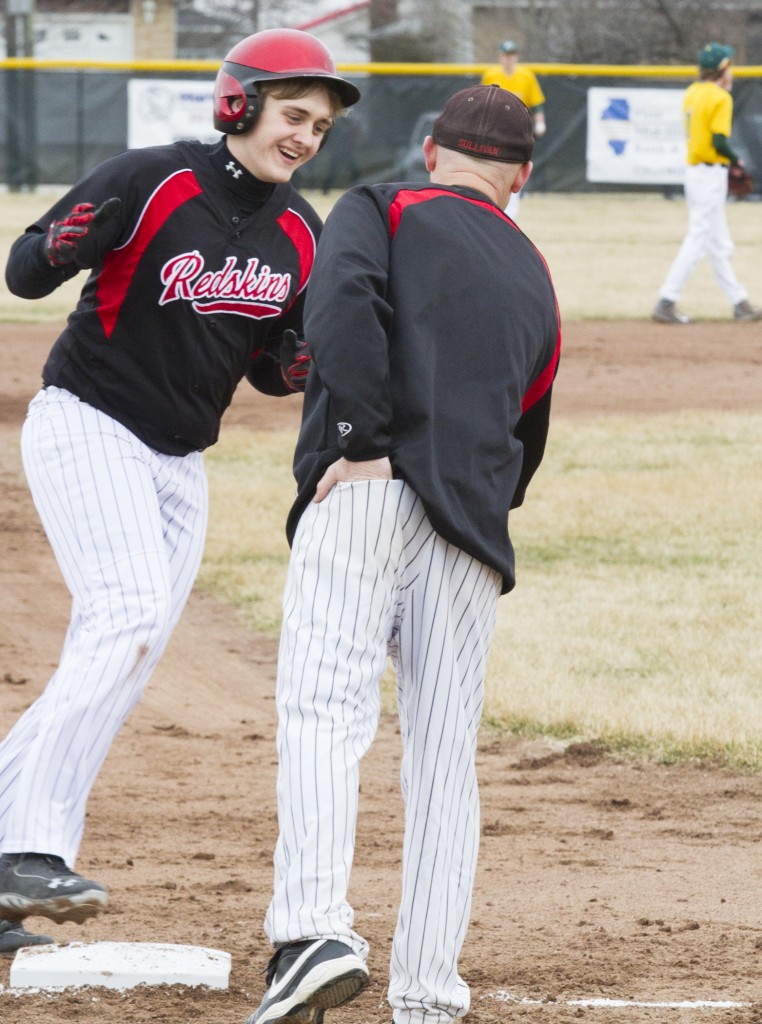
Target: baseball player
x,y
708,115
426,414
197,257
522,81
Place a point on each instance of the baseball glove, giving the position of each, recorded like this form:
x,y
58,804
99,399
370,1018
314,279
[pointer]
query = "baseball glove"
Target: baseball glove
x,y
740,182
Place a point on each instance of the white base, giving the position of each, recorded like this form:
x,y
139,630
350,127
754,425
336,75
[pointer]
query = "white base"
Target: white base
x,y
119,965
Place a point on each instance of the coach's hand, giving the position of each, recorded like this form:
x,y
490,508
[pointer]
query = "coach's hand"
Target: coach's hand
x,y
66,236
346,472
295,361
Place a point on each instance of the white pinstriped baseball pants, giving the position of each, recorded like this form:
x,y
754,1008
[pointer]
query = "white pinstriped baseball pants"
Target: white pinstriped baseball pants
x,y
706,192
127,526
368,576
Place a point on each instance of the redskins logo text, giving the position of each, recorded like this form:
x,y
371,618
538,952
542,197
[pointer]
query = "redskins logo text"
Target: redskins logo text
x,y
254,291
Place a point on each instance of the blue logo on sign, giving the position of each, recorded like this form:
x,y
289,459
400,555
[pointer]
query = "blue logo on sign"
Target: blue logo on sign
x,y
617,110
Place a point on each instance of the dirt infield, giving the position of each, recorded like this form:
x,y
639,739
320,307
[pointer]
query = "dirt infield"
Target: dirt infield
x,y
599,879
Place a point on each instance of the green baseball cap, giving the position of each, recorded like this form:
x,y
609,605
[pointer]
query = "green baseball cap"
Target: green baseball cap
x,y
715,57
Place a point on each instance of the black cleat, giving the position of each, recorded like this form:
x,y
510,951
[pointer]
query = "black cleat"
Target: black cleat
x,y
39,884
306,978
14,936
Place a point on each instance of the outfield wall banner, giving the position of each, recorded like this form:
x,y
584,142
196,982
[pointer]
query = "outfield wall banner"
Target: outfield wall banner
x,y
162,110
635,136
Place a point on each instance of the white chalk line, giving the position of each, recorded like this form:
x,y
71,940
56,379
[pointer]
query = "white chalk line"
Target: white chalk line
x,y
681,1004
508,997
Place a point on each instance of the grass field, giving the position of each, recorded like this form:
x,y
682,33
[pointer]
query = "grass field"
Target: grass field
x,y
637,620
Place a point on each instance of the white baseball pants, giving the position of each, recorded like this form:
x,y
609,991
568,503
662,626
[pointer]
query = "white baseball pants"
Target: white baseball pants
x,y
127,526
706,191
368,577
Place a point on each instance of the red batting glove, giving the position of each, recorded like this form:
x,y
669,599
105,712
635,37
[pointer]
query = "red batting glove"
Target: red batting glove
x,y
295,361
65,236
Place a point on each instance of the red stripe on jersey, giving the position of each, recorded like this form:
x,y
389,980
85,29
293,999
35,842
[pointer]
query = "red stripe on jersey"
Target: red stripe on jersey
x,y
298,231
405,198
540,384
538,387
120,264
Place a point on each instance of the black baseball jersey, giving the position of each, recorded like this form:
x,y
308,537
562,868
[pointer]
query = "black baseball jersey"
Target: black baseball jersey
x,y
435,337
191,286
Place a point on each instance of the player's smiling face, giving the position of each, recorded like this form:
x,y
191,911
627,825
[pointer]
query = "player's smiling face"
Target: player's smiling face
x,y
287,134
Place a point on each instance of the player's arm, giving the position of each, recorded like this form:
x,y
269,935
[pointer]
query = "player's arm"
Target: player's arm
x,y
722,144
27,272
73,235
536,104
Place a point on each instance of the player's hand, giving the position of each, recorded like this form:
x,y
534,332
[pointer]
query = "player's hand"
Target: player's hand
x,y
345,472
295,361
66,236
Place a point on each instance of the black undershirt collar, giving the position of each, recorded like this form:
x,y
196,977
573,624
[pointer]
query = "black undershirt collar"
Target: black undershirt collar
x,y
249,193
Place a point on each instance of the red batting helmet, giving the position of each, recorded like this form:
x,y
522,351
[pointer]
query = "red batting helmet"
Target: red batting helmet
x,y
272,54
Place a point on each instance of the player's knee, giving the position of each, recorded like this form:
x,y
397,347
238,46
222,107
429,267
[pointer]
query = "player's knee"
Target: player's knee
x,y
141,613
724,251
152,619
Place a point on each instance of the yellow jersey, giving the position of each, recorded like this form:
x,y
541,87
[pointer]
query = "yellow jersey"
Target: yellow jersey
x,y
707,111
522,83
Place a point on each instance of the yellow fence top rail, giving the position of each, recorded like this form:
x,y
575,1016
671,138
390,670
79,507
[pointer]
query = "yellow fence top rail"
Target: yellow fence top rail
x,y
587,70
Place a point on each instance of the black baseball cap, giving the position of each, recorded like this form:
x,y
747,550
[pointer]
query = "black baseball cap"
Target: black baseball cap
x,y
487,122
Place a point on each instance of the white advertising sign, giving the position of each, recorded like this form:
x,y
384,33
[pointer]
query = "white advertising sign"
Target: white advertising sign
x,y
160,111
635,136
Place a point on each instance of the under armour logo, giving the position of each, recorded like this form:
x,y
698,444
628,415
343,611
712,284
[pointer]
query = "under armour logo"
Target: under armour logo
x,y
344,428
234,169
61,883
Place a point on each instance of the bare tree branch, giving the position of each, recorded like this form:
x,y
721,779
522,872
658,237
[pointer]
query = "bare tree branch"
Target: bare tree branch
x,y
677,30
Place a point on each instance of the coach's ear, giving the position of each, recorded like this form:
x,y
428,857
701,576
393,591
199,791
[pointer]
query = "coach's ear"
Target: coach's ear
x,y
430,151
522,176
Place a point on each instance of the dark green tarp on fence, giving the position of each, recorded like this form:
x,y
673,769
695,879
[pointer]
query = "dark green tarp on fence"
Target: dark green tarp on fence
x,y
60,123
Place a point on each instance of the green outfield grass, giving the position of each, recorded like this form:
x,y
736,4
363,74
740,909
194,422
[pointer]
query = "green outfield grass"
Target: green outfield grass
x,y
637,617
